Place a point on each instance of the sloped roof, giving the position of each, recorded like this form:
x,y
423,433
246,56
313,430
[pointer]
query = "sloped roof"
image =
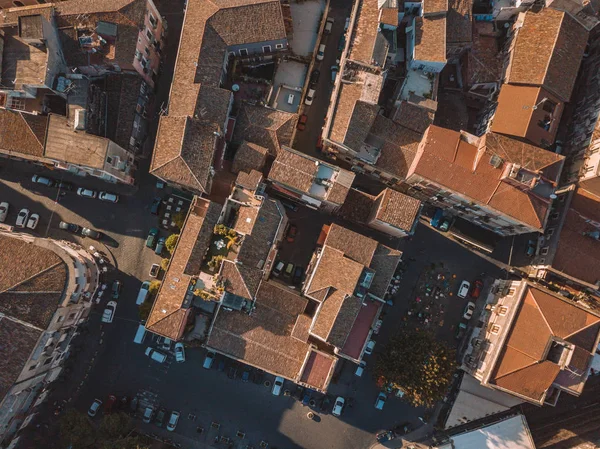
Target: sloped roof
x,y
459,22
430,38
548,51
249,156
366,30
398,209
413,117
167,317
522,366
22,133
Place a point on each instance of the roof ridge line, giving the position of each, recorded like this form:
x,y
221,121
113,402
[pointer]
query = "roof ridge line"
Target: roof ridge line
x,y
31,130
535,362
346,295
191,172
7,290
529,290
583,328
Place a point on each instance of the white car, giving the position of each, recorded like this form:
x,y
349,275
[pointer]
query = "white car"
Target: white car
x,y
338,406
179,352
109,312
380,401
463,290
370,347
360,369
321,52
154,269
3,211
328,25
33,221
310,96
87,193
469,309
94,407
110,197
173,420
22,218
277,386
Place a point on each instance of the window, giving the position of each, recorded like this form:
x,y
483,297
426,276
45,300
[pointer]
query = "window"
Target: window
x,y
32,367
243,52
266,48
549,106
145,62
41,2
17,3
47,361
109,160
153,20
60,318
278,46
138,55
147,50
544,251
149,35
72,315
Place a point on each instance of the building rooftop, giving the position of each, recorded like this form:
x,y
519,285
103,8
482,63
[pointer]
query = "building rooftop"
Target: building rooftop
x,y
578,247
366,34
250,180
32,284
459,22
398,209
357,207
413,116
169,313
389,16
433,6
184,151
22,133
430,38
248,157
122,92
476,169
23,64
547,52
265,127
311,176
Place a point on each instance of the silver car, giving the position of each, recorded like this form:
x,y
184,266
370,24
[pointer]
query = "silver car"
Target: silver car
x,y
3,211
86,193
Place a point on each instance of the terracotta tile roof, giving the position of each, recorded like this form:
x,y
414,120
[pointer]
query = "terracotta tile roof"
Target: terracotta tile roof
x,y
357,207
263,339
22,133
398,146
301,327
433,6
366,29
11,15
413,117
522,366
264,126
250,180
384,263
451,161
357,337
343,319
300,172
337,273
355,246
249,156
389,16
234,283
361,120
184,152
459,22
548,51
318,370
122,92
578,254
398,209
23,64
168,315
430,38
514,111
213,105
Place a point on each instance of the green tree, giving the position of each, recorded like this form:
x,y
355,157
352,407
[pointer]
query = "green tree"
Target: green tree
x,y
144,309
164,264
179,219
171,242
418,364
76,430
154,286
115,426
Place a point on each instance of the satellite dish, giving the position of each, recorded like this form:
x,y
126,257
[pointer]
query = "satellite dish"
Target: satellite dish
x,y
553,196
235,87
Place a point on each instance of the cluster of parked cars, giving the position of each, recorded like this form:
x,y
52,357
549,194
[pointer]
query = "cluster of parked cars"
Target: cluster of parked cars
x,y
472,292
76,229
159,417
161,356
25,219
111,307
81,191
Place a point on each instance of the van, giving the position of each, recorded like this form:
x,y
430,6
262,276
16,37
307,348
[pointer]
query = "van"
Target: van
x,y
143,293
155,355
328,25
140,334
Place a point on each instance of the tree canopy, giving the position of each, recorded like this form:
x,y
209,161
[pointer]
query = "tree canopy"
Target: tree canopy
x,y
417,364
171,242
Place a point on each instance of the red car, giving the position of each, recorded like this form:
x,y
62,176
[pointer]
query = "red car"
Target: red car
x,y
291,235
476,290
108,405
302,122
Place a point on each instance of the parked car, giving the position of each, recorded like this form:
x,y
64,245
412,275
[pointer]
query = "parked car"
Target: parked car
x,y
347,24
148,413
151,239
298,274
437,217
469,310
173,420
64,185
301,125
93,410
208,360
246,374
314,77
259,377
321,52
291,234
476,290
87,193
463,290
179,352
116,289
221,366
531,248
33,221
3,211
338,406
160,245
71,227
334,71
110,197
342,43
109,313
156,355
48,182
143,293
380,401
445,225
325,403
154,208
22,218
289,270
310,96
369,348
460,329
160,417
328,25
109,404
277,386
232,373
278,267
154,270
360,368
91,233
